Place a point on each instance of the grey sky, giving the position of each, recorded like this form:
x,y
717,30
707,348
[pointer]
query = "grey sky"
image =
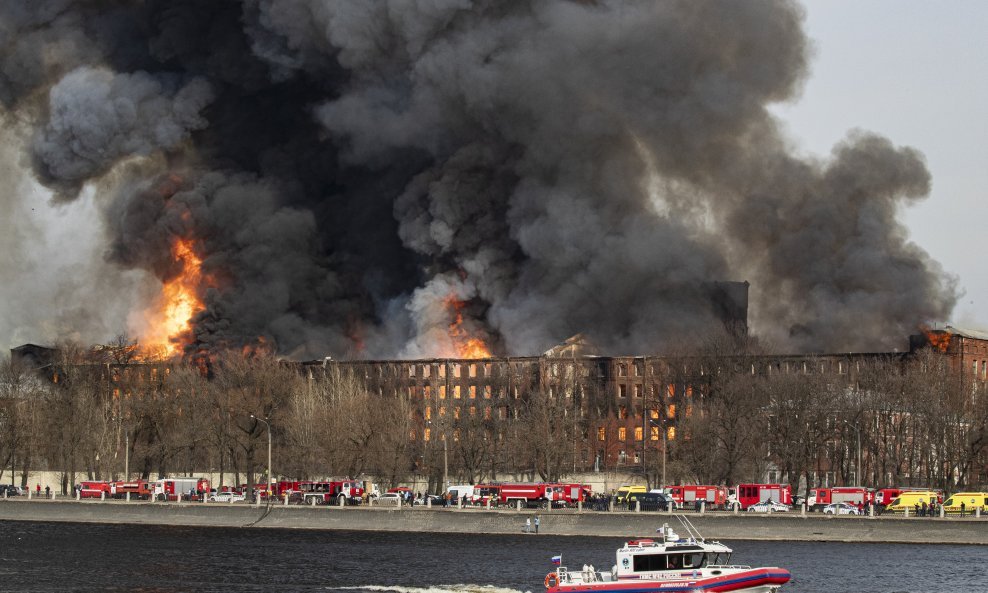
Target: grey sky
x,y
916,73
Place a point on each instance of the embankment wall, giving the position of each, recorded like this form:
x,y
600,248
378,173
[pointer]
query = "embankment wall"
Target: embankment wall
x,y
725,526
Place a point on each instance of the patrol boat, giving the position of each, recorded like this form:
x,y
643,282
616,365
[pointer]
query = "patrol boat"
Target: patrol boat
x,y
669,563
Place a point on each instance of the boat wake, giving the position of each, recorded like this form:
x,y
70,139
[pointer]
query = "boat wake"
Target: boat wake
x,y
459,588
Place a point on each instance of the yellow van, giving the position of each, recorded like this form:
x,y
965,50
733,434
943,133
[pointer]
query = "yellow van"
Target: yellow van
x,y
970,500
909,500
624,491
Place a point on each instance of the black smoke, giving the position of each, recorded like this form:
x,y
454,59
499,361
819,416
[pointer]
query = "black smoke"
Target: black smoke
x,y
558,166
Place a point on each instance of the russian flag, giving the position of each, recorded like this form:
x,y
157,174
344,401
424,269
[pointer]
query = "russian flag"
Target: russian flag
x,y
557,559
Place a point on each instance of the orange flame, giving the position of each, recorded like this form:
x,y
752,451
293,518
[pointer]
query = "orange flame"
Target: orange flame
x,y
467,346
938,339
169,318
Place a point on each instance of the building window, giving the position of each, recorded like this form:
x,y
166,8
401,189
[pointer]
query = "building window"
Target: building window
x,y
671,433
638,391
442,411
638,433
427,436
472,369
426,371
442,392
442,371
456,370
601,434
427,391
671,411
456,392
653,433
622,390
428,413
622,412
622,370
473,411
411,370
456,413
487,413
487,392
671,390
622,433
473,392
487,369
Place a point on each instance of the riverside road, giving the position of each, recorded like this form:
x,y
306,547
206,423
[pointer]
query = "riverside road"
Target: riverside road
x,y
715,525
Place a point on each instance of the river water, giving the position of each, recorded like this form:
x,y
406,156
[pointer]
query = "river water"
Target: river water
x,y
65,557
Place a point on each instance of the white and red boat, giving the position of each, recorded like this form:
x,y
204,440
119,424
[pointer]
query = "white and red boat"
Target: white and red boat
x,y
666,564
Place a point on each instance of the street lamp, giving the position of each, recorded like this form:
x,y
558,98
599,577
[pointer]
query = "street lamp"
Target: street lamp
x,y
268,487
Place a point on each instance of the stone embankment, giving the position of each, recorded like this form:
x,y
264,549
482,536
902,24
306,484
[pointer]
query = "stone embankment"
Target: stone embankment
x,y
713,525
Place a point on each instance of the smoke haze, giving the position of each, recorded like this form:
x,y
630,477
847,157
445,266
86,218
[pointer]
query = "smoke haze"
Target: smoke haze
x,y
345,168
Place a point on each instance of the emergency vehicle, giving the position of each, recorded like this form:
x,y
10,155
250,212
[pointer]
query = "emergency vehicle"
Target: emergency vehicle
x,y
138,489
885,496
188,488
745,495
91,489
852,495
335,492
687,495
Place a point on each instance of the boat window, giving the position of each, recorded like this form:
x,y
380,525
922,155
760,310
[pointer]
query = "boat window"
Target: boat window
x,y
648,563
692,560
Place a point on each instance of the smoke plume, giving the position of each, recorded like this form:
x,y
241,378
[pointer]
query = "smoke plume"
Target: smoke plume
x,y
348,169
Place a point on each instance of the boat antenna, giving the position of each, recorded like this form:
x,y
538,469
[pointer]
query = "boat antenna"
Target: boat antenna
x,y
691,529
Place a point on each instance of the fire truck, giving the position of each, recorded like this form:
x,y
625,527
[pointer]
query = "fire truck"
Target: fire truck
x,y
821,497
188,488
568,494
745,495
688,495
91,489
335,492
542,494
138,489
486,492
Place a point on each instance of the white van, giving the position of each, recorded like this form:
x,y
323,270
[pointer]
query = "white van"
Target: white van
x,y
462,492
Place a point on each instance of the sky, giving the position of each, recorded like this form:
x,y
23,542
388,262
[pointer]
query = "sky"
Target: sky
x,y
917,73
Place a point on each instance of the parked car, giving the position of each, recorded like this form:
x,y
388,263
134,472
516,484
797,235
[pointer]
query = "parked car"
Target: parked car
x,y
840,508
769,506
437,501
9,490
390,498
227,497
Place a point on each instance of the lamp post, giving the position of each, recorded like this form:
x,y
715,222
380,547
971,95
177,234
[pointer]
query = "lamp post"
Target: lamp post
x,y
268,486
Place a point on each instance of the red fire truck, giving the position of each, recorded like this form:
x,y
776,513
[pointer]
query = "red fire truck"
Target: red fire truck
x,y
745,495
138,489
542,494
527,494
91,489
485,492
821,497
336,492
688,495
568,494
188,488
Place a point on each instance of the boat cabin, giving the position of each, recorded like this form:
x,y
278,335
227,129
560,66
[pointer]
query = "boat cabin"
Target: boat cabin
x,y
639,557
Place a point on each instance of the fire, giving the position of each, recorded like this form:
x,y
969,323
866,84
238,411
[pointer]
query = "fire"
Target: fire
x,y
938,339
466,346
169,319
